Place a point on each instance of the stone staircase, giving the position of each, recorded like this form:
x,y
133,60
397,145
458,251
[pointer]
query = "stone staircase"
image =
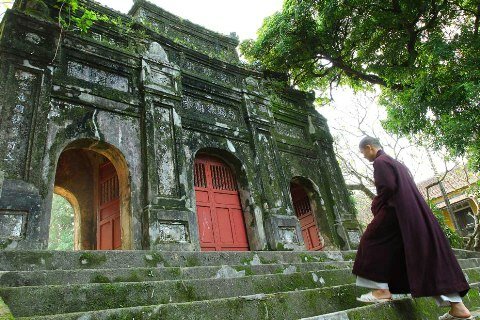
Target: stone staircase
x,y
191,285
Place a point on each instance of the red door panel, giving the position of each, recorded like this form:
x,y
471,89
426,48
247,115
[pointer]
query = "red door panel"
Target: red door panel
x,y
108,222
106,240
202,196
239,226
228,199
117,239
220,218
304,212
205,225
224,225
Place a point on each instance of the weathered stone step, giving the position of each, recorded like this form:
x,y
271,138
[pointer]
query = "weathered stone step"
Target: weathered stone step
x,y
289,305
82,276
70,260
465,254
469,263
17,260
284,305
49,300
46,300
411,309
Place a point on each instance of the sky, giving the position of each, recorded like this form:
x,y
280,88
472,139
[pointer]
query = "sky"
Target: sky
x,y
245,18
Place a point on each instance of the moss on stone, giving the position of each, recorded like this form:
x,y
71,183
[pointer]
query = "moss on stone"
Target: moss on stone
x,y
5,313
133,276
155,259
264,260
279,270
91,259
246,261
100,278
308,258
349,256
176,272
281,247
37,8
192,261
247,269
186,292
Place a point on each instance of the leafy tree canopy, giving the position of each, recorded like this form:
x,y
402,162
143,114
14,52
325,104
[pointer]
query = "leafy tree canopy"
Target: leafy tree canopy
x,y
424,54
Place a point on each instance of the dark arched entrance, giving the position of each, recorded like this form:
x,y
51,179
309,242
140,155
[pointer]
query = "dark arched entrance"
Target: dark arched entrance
x,y
96,182
221,224
305,214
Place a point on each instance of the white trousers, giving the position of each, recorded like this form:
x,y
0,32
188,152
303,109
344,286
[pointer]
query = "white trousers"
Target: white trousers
x,y
442,300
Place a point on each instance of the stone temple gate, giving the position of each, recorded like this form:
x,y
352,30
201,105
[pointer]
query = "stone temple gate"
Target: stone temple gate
x,y
160,138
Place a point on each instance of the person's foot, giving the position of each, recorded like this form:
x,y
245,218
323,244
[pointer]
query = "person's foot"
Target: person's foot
x,y
382,294
459,310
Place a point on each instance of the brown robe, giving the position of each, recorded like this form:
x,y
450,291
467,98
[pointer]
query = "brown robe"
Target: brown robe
x,y
404,244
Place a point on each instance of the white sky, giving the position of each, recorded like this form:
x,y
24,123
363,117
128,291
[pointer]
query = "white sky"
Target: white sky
x,y
245,18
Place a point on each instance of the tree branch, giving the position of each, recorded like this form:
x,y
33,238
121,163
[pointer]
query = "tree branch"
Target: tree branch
x,y
363,188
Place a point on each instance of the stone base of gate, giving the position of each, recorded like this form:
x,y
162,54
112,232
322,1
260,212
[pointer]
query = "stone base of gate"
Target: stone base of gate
x,y
172,230
20,216
284,233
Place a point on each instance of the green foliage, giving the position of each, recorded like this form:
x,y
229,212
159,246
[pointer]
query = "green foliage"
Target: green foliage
x,y
453,237
81,17
74,16
61,225
423,54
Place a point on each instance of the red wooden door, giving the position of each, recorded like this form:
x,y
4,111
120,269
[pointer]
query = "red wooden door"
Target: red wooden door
x,y
304,212
108,218
220,218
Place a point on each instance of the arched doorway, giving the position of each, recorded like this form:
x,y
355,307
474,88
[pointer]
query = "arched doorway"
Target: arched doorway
x,y
304,212
221,224
96,180
62,235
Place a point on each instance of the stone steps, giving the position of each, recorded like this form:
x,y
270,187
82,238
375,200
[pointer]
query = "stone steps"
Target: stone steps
x,y
192,285
58,277
44,300
412,309
73,260
284,305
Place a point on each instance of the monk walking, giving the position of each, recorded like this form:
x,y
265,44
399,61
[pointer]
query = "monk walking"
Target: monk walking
x,y
403,249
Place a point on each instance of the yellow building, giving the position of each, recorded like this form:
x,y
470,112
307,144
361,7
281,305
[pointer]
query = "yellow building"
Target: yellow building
x,y
457,183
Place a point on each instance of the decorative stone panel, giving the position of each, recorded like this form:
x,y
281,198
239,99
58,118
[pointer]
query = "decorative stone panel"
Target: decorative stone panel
x,y
12,224
97,76
16,122
210,109
290,130
172,232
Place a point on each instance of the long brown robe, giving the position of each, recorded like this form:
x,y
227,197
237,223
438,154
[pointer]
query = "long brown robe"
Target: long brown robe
x,y
404,244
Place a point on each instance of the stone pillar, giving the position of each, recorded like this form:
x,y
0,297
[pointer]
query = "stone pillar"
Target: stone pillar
x,y
26,54
281,225
346,228
169,222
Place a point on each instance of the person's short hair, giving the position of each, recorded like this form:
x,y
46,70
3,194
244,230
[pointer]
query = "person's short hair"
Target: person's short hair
x,y
374,142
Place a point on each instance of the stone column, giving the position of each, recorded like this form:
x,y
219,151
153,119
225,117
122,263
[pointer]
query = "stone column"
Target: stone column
x,y
169,222
26,54
281,225
346,227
